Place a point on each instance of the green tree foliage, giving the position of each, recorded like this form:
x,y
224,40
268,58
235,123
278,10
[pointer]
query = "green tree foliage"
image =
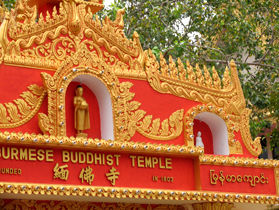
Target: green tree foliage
x,y
213,32
9,3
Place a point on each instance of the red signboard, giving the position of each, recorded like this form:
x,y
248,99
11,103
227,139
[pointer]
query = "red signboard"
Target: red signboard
x,y
36,165
95,168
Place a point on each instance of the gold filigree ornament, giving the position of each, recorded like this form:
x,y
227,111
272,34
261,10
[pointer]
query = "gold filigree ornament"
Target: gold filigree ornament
x,y
89,192
21,110
71,205
213,206
47,41
234,145
127,116
99,144
200,86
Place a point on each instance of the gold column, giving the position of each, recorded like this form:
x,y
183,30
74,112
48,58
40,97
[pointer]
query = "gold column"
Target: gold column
x,y
212,206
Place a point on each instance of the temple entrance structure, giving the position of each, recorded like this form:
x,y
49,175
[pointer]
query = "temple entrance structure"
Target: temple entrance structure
x,y
90,120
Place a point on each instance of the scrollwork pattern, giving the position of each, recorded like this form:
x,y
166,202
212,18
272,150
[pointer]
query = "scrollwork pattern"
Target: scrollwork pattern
x,y
20,111
46,42
166,130
127,115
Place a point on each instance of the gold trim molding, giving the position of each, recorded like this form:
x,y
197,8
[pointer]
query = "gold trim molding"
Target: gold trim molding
x,y
212,206
132,193
98,144
238,161
71,205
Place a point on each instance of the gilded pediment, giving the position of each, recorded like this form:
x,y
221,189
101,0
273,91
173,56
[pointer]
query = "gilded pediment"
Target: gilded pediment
x,y
44,40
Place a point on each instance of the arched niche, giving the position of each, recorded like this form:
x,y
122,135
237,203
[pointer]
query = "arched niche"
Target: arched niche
x,y
207,137
219,132
104,102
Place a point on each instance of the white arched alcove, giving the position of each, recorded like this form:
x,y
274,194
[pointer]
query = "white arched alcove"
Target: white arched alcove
x,y
104,101
219,132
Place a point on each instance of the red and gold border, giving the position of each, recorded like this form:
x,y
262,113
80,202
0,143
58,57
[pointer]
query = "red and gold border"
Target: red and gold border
x,y
130,193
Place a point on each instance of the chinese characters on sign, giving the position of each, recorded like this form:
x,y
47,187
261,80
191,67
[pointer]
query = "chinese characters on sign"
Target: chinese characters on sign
x,y
61,172
112,175
86,175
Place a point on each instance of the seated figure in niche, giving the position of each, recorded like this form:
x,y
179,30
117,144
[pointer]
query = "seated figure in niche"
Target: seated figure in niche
x,y
199,142
82,121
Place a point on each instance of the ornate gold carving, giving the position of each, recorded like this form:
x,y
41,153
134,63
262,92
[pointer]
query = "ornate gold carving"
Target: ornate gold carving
x,y
44,123
190,87
234,145
142,147
238,161
92,61
170,128
276,177
71,205
132,193
212,206
46,42
112,33
254,147
201,87
20,111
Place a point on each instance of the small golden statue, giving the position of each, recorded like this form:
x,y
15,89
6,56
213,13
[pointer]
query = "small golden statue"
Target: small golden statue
x,y
82,121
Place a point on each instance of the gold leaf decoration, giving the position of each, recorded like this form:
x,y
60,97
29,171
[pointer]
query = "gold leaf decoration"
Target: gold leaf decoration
x,y
20,111
161,131
3,114
227,96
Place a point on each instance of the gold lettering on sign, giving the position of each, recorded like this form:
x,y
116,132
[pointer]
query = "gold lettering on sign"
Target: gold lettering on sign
x,y
90,158
112,175
10,171
60,172
151,162
167,179
28,154
87,175
222,178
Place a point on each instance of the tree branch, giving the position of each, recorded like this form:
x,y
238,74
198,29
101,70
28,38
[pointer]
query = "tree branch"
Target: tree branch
x,y
241,63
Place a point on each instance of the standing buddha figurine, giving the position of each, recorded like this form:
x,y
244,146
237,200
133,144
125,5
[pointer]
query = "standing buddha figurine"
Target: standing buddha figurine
x,y
82,121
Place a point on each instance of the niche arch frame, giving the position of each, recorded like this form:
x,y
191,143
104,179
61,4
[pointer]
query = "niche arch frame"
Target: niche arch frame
x,y
103,95
98,82
85,62
206,113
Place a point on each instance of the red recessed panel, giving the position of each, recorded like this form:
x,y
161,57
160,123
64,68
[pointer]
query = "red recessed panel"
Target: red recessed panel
x,y
238,179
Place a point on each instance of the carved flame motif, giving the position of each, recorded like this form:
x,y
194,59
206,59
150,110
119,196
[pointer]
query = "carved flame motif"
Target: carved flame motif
x,y
20,111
